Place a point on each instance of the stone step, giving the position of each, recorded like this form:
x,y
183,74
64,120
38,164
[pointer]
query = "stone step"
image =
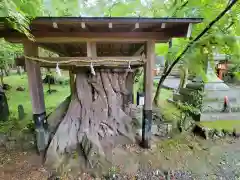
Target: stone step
x,y
195,86
220,116
186,91
178,97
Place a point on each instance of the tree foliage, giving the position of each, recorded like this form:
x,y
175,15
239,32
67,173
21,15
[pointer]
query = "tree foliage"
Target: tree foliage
x,y
221,38
8,52
218,36
20,13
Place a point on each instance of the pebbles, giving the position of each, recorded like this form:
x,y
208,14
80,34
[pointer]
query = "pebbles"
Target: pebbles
x,y
155,174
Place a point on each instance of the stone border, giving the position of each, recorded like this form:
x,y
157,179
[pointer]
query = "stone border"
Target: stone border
x,y
213,133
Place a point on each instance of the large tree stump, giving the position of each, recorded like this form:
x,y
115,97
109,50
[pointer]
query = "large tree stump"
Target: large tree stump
x,y
95,121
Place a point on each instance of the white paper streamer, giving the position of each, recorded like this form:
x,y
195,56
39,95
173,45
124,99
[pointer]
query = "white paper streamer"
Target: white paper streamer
x,y
129,65
58,70
92,69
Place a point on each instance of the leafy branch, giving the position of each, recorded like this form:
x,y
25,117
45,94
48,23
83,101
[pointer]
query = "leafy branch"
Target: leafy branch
x,y
190,45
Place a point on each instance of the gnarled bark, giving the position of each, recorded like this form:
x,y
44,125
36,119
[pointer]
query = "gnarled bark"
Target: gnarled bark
x,y
95,121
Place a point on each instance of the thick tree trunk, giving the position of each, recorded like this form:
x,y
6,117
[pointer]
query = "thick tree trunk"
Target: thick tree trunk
x,y
95,121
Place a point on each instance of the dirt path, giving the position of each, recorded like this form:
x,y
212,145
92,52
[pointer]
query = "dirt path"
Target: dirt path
x,y
185,157
21,166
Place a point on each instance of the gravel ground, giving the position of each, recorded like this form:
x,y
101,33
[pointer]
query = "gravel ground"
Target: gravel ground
x,y
222,163
219,162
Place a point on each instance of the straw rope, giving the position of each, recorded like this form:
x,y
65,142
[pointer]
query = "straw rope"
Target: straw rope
x,y
90,60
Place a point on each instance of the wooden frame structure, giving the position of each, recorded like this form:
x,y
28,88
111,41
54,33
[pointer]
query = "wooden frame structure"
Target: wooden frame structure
x,y
91,39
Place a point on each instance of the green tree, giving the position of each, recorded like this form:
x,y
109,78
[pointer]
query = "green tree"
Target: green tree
x,y
8,52
20,13
214,35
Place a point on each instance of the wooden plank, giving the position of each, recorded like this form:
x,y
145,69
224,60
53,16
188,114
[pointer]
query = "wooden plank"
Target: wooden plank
x,y
34,79
63,37
148,89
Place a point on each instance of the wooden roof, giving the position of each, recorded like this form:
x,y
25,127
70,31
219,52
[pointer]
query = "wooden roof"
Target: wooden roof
x,y
115,36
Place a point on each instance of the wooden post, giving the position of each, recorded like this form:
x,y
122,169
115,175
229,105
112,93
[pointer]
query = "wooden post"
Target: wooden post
x,y
37,95
72,81
148,89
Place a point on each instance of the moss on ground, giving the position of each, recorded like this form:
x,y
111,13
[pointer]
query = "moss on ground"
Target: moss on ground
x,y
222,124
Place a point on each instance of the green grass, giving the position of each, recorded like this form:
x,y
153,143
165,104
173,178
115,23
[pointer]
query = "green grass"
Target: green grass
x,y
169,110
222,124
16,98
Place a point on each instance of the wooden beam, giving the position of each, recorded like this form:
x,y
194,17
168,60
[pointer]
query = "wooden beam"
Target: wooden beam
x,y
53,49
148,89
63,37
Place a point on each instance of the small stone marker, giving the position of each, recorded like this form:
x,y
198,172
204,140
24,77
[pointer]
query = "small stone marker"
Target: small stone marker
x,y
21,113
140,98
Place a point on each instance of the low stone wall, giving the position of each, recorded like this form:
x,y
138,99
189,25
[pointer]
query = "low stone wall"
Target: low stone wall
x,y
212,133
19,141
160,127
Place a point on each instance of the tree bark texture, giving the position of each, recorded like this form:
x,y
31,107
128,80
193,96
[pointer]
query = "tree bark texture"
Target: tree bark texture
x,y
96,120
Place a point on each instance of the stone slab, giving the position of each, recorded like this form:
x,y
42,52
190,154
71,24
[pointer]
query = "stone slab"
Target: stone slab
x,y
170,82
220,116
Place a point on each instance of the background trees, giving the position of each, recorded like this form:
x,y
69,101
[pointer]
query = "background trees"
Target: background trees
x,y
221,38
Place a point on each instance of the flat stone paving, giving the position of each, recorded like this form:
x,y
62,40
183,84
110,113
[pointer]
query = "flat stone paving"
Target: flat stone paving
x,y
171,82
220,116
